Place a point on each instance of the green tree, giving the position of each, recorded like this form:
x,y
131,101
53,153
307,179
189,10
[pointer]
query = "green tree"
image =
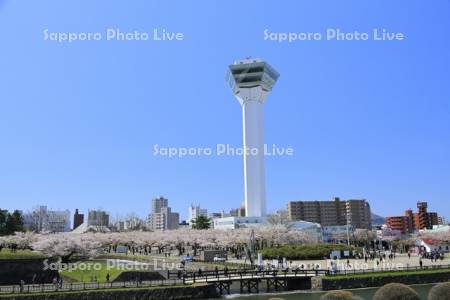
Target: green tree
x,y
10,222
3,218
201,222
15,222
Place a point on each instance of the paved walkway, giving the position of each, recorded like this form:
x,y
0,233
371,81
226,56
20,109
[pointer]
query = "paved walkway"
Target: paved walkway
x,y
400,261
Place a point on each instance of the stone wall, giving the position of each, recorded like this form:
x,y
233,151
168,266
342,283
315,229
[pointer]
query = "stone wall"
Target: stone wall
x,y
138,276
329,283
12,271
168,293
294,284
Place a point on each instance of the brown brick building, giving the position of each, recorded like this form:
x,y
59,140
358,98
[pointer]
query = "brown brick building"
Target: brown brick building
x,y
78,219
332,213
411,222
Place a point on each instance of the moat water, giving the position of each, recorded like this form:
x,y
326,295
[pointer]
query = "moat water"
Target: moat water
x,y
366,294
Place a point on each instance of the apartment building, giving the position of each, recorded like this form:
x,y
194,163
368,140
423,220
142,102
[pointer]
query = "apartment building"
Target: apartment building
x,y
161,216
355,213
410,222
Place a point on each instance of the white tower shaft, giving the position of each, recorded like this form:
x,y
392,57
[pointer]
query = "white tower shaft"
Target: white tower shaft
x,y
252,102
251,81
254,174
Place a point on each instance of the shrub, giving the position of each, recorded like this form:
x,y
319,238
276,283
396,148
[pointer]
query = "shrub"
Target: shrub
x,y
339,295
396,291
440,291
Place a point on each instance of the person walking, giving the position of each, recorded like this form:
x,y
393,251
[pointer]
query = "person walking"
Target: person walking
x,y
22,285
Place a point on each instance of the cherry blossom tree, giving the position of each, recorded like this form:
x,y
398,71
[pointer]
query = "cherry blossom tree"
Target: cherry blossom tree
x,y
65,245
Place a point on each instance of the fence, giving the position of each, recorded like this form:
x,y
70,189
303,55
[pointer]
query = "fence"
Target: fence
x,y
42,288
179,279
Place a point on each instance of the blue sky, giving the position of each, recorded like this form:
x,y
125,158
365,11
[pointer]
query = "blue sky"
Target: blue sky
x,y
78,121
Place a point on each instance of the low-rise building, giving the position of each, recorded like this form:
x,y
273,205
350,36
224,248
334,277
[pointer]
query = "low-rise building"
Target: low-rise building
x,y
237,222
429,245
386,233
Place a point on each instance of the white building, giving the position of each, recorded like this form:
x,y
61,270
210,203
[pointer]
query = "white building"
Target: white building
x,y
237,222
195,211
42,219
251,81
442,221
431,245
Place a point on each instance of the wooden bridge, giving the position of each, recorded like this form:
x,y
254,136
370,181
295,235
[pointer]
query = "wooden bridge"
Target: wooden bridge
x,y
250,281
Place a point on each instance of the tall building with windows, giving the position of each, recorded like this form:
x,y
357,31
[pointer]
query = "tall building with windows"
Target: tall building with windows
x,y
358,213
159,203
355,213
161,216
98,218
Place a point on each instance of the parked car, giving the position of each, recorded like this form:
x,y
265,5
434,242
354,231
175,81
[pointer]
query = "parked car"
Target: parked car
x,y
187,258
219,259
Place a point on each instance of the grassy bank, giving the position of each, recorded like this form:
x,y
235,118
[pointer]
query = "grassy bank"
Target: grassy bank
x,y
19,254
386,274
377,279
86,271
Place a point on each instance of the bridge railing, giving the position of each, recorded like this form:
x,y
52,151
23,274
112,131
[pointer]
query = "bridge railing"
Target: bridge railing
x,y
192,277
